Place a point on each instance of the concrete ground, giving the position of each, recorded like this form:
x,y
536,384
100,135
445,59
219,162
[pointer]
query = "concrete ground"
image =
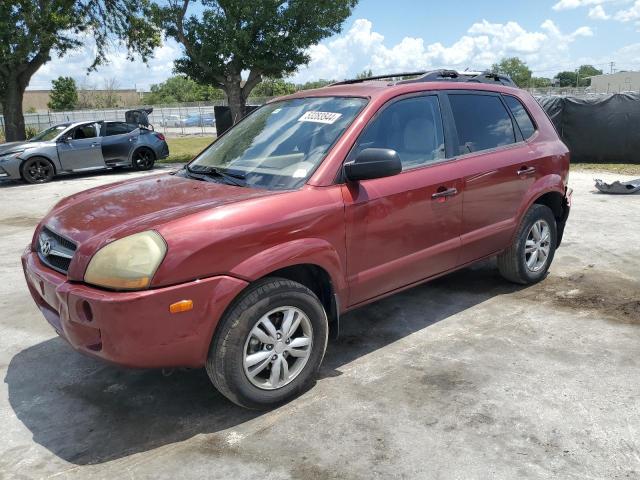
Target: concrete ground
x,y
468,377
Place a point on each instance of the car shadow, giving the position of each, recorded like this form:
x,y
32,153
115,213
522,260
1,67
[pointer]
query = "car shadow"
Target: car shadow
x,y
119,172
87,412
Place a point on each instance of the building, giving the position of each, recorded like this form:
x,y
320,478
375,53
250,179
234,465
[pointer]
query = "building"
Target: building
x,y
38,99
616,82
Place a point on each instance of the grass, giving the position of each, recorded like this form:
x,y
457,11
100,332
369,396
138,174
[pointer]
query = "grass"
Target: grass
x,y
620,168
183,149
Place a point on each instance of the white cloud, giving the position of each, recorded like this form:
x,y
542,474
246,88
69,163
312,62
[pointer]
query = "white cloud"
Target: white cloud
x,y
128,74
572,4
483,44
630,14
598,13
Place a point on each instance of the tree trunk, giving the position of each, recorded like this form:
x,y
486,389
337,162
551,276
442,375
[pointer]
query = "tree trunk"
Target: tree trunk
x,y
236,100
12,110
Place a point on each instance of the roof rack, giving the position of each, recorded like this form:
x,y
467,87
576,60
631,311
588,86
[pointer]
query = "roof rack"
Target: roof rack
x,y
440,76
379,77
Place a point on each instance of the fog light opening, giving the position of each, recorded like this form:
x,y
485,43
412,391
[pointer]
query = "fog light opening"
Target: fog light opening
x,y
87,313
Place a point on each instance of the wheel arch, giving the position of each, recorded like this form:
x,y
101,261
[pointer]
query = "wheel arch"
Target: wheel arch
x,y
557,203
39,155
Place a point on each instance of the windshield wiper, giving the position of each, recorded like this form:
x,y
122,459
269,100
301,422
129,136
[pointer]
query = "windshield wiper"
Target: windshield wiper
x,y
236,179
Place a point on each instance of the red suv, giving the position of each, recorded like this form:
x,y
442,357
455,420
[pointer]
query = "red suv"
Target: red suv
x,y
313,205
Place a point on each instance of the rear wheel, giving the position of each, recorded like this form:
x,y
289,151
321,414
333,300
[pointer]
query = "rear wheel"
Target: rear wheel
x,y
269,345
37,170
143,159
529,257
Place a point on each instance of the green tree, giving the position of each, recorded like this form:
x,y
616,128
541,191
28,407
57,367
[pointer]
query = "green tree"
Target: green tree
x,y
364,74
515,68
314,84
540,82
273,87
31,31
267,38
567,79
584,74
64,94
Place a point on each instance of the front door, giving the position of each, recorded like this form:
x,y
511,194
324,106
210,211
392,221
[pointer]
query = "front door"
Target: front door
x,y
81,150
405,228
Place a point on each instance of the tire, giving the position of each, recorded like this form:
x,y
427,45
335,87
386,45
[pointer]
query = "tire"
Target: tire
x,y
515,264
143,159
233,344
37,170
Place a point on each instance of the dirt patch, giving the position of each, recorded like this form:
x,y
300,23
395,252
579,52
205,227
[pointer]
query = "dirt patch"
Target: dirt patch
x,y
614,297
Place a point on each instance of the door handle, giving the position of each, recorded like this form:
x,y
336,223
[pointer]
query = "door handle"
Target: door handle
x,y
449,192
526,170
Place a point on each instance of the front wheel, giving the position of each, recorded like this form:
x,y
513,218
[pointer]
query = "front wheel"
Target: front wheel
x,y
37,170
529,257
269,345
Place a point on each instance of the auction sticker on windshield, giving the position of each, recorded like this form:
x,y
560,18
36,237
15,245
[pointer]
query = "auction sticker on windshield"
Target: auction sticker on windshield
x,y
320,117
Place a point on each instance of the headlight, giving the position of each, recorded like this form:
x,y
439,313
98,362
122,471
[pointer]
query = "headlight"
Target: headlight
x,y
8,156
128,263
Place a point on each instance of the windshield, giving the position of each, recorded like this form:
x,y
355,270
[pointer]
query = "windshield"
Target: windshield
x,y
49,134
281,144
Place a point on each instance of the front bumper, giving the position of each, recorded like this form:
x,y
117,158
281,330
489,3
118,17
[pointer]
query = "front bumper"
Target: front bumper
x,y
132,329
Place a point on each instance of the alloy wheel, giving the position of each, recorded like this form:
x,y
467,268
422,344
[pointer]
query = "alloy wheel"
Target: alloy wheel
x,y
277,348
38,171
537,246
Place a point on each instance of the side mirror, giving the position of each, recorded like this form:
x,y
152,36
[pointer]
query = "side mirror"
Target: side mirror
x,y
65,139
373,163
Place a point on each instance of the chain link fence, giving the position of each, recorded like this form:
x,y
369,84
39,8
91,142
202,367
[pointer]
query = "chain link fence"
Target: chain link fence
x,y
171,120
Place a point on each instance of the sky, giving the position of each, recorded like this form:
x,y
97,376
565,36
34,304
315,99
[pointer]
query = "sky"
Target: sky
x,y
403,35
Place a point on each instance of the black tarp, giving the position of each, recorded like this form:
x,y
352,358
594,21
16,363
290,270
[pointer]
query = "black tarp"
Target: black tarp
x,y
603,129
223,117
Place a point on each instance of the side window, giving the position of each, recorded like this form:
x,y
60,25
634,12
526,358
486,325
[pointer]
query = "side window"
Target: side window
x,y
118,128
482,122
412,127
84,131
521,115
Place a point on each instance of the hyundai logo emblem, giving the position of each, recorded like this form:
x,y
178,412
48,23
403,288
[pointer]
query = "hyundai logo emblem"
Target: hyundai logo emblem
x,y
45,247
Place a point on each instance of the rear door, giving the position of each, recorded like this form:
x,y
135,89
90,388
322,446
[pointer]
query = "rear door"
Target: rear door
x,y
404,228
117,142
499,168
82,149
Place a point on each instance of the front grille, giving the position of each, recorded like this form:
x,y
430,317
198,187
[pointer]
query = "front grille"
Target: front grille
x,y
55,251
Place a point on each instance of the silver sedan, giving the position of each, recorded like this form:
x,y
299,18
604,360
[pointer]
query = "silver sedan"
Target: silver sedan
x,y
81,147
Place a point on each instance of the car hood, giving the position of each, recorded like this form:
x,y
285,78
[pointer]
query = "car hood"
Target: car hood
x,y
92,217
19,146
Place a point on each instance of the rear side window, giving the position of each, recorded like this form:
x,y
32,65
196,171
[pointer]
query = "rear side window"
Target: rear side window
x,y
482,122
118,128
521,115
412,127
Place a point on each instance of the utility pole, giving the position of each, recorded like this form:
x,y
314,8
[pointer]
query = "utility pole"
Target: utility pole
x,y
611,65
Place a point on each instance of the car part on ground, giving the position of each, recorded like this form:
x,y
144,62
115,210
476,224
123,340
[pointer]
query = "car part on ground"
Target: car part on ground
x,y
617,187
313,205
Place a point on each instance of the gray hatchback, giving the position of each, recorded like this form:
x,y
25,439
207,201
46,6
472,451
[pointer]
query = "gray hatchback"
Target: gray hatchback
x,y
81,147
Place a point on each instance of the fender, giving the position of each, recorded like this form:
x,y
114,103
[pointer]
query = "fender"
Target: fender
x,y
314,251
546,184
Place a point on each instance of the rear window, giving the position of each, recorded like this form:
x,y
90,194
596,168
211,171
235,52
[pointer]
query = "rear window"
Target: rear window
x,y
521,115
118,128
482,122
